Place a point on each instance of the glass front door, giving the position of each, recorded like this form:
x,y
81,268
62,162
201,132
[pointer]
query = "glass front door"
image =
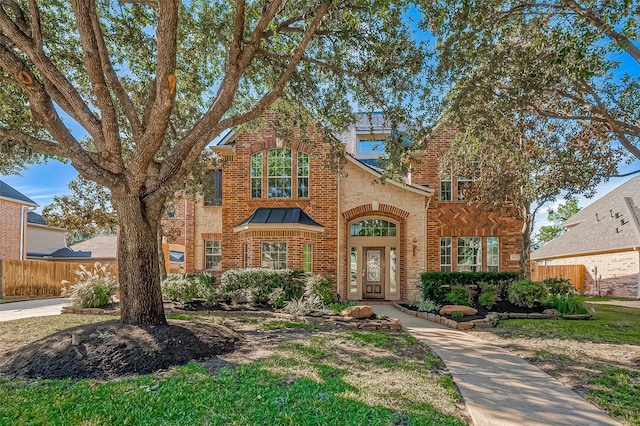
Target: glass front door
x,y
374,273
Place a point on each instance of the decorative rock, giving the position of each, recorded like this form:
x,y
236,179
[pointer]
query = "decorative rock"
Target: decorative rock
x,y
535,315
450,323
357,312
517,315
465,310
465,325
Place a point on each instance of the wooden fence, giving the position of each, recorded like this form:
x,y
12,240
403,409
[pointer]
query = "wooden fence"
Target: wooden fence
x,y
574,273
19,278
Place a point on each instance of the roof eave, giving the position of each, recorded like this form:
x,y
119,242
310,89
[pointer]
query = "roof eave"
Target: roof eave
x,y
277,226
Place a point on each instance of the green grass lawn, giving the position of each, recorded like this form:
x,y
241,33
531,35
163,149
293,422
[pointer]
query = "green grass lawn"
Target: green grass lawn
x,y
614,389
610,324
333,378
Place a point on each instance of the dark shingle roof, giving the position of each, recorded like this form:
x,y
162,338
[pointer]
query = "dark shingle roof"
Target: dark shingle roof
x,y
280,215
610,223
11,193
36,219
66,252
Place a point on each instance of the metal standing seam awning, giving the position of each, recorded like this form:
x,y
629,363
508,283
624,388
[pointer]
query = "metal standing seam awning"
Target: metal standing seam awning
x,y
279,218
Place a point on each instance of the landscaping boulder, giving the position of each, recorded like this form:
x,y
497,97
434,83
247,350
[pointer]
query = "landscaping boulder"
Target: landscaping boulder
x,y
357,312
465,310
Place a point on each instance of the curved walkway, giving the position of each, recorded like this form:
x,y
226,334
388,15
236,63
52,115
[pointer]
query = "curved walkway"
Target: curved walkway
x,y
32,308
500,388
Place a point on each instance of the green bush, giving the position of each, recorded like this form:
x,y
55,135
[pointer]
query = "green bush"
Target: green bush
x,y
322,287
93,288
178,288
206,284
487,298
261,285
424,305
559,286
339,307
569,304
528,294
458,295
457,315
433,284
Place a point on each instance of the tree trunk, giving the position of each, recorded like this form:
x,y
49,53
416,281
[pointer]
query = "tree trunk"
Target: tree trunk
x,y
524,271
138,262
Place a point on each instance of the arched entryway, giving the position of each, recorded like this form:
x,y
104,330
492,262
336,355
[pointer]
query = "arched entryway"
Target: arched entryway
x,y
374,258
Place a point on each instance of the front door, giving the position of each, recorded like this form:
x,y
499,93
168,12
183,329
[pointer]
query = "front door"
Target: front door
x,y
373,273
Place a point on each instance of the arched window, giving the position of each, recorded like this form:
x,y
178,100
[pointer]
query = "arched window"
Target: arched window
x,y
373,228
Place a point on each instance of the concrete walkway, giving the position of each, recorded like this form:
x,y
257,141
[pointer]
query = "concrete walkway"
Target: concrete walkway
x,y
626,303
32,308
500,388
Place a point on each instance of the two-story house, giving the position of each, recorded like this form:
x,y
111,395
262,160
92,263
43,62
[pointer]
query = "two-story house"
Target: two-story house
x,y
277,205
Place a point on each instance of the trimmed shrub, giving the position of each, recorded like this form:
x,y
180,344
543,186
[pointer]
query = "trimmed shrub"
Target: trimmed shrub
x,y
458,295
321,287
258,284
434,284
424,305
93,288
559,286
487,298
178,288
528,294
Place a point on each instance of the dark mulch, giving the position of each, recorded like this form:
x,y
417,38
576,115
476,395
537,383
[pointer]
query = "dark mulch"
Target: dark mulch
x,y
500,306
111,350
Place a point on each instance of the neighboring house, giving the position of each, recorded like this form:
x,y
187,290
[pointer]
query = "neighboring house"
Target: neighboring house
x,y
103,249
14,207
605,238
43,240
277,205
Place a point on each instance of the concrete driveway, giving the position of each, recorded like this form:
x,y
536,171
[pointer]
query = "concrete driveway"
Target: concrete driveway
x,y
32,308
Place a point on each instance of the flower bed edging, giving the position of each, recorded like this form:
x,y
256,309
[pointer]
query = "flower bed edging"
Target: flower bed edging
x,y
489,321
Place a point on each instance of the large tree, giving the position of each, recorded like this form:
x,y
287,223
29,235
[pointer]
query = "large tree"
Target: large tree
x,y
132,91
569,61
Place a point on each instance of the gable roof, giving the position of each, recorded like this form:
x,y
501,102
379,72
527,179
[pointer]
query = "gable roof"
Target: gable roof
x,y
102,246
36,219
609,224
9,193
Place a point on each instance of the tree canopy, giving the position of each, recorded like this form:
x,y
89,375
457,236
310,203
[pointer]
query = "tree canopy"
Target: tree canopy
x,y
132,91
557,217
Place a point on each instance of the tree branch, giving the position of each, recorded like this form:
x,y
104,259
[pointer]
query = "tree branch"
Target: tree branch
x,y
34,144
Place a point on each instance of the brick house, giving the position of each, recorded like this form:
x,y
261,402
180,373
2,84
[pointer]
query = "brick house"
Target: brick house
x,y
277,205
605,238
14,207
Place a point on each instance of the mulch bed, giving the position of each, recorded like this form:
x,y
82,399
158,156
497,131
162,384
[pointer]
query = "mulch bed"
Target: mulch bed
x,y
109,350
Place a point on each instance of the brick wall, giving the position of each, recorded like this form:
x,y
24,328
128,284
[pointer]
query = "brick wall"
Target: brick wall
x,y
457,218
10,214
618,272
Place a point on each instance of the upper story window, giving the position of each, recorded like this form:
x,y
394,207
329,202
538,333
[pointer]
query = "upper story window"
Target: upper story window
x,y
287,175
256,175
371,146
303,175
373,228
213,194
445,190
463,184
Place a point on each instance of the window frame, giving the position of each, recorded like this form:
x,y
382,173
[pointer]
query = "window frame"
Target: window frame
x,y
278,252
216,252
276,172
446,266
302,174
493,259
256,172
307,257
462,254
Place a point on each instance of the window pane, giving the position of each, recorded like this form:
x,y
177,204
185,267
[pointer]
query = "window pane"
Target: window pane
x,y
470,254
445,254
371,146
445,190
212,254
353,283
307,257
373,265
256,175
213,194
303,175
493,254
393,267
279,173
274,255
373,228
463,184
245,249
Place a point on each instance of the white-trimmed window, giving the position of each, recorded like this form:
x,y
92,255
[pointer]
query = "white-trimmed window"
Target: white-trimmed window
x,y
307,257
470,254
303,175
274,255
445,254
245,253
256,175
493,254
463,184
445,190
212,254
279,179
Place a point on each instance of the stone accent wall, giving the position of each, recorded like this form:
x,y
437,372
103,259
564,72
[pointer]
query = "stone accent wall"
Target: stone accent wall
x,y
10,214
618,272
457,218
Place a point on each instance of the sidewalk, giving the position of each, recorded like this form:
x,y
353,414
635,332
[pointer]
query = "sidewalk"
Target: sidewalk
x,y
32,308
499,388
